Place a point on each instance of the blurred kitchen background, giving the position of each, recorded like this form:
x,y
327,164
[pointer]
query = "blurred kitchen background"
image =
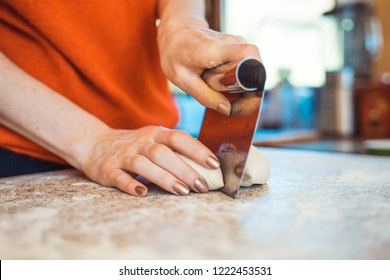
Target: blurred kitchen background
x,y
328,72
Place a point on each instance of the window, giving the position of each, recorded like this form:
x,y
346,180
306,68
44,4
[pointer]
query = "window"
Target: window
x,y
297,44
291,35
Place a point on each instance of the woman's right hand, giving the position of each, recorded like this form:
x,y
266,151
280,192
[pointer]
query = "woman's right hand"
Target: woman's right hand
x,y
116,157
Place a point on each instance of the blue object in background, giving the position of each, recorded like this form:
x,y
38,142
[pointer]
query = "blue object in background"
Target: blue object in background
x,y
191,114
289,108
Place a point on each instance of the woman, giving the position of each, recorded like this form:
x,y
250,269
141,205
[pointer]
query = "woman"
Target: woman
x,y
83,83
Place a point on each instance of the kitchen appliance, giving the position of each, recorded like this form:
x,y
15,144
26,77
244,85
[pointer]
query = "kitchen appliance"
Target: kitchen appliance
x,y
360,35
336,113
230,137
372,110
359,43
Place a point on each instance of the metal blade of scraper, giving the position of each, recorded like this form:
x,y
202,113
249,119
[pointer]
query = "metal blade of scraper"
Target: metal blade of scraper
x,y
230,137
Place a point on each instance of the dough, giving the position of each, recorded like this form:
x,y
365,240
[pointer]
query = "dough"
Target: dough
x,y
213,177
257,170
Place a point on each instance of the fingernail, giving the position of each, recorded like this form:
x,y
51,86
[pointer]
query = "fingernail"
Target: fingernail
x,y
180,189
141,190
201,185
223,109
212,162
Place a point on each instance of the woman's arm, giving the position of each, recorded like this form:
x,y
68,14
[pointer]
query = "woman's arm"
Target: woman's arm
x,y
107,156
34,110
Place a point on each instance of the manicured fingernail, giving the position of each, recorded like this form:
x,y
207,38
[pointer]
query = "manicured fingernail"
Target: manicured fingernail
x,y
180,189
212,162
201,185
141,190
223,109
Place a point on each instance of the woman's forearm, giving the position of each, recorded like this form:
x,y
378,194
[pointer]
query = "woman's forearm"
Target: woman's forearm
x,y
178,10
35,111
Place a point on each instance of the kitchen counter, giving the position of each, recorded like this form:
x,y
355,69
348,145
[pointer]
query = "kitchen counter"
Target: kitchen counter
x,y
315,206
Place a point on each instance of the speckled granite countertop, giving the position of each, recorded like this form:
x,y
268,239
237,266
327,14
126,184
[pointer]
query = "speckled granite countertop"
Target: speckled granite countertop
x,y
315,206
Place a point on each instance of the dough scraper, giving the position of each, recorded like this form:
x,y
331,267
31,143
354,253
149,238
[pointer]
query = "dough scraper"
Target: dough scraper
x,y
230,137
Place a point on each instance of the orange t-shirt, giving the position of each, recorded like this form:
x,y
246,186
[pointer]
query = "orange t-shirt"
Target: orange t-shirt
x,y
101,55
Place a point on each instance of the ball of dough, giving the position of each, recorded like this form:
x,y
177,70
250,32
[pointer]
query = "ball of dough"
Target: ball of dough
x,y
257,170
213,177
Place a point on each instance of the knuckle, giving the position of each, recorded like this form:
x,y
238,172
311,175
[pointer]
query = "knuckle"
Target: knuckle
x,y
106,169
106,175
174,137
236,39
181,76
153,131
240,40
250,50
135,163
150,129
112,175
155,150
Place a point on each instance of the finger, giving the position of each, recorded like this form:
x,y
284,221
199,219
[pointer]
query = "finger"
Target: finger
x,y
170,161
126,183
155,174
198,89
188,146
226,37
223,52
237,52
231,38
